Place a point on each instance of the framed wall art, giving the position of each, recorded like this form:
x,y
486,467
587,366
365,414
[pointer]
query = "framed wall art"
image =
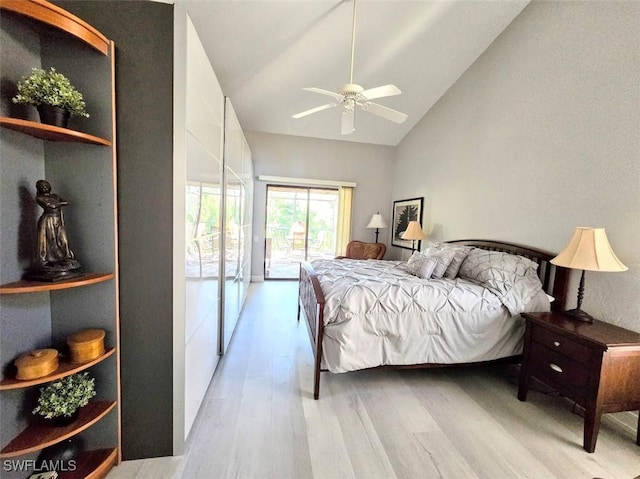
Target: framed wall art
x,y
403,212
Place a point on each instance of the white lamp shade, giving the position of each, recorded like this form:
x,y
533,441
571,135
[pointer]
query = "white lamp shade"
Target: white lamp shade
x,y
377,221
413,232
589,249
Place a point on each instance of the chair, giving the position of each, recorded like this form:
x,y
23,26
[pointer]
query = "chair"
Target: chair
x,y
298,240
362,250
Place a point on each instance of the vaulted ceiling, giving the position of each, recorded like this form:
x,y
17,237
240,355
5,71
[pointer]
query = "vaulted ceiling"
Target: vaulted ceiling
x,y
265,51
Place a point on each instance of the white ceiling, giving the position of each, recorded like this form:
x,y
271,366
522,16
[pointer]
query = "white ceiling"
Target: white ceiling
x,y
265,51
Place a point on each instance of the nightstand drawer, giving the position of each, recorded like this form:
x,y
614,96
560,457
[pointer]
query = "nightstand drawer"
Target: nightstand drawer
x,y
570,378
561,344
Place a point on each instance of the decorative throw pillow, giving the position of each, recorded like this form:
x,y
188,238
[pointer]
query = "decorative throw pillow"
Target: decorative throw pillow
x,y
421,266
415,257
458,258
511,277
443,259
426,268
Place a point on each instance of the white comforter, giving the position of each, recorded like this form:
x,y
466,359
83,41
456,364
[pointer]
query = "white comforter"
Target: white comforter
x,y
376,313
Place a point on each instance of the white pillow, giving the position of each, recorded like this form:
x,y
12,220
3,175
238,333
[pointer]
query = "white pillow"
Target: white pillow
x,y
421,266
512,278
460,254
443,259
415,257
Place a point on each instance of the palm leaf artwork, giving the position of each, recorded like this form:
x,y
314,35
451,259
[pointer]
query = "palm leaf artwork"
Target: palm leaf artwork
x,y
409,213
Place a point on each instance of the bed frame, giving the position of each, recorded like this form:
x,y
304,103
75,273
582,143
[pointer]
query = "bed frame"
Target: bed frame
x,y
311,299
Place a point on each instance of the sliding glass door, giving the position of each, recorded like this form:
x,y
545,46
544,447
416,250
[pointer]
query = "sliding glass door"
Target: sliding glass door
x,y
301,224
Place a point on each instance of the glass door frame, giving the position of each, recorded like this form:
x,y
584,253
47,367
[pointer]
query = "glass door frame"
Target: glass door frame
x,y
308,189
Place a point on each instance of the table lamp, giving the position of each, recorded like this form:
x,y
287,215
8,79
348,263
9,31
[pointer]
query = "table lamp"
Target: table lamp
x,y
377,222
413,232
588,250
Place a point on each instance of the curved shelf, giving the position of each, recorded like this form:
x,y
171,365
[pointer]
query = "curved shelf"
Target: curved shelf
x,y
92,464
50,132
25,286
56,17
37,435
64,369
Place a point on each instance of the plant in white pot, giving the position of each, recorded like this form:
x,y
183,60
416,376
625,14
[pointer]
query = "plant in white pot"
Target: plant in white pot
x,y
52,94
61,400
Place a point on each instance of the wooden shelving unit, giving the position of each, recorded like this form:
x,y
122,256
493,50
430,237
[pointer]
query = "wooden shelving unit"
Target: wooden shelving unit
x,y
38,435
54,16
92,464
64,369
88,175
50,132
25,286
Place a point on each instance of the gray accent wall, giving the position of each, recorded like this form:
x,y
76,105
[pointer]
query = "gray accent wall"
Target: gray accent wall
x,y
541,135
25,319
143,35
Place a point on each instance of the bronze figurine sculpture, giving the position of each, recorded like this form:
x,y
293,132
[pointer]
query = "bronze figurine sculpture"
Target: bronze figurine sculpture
x,y
54,259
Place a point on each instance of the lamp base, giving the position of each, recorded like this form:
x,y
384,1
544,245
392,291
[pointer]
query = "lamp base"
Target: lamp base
x,y
579,315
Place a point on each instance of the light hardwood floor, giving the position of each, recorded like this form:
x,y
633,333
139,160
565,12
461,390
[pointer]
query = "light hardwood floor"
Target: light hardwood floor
x,y
259,419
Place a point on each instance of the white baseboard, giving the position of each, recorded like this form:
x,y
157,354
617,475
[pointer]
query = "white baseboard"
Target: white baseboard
x,y
257,279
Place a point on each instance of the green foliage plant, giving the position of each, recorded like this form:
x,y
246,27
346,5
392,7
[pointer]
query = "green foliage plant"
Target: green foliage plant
x,y
50,88
63,397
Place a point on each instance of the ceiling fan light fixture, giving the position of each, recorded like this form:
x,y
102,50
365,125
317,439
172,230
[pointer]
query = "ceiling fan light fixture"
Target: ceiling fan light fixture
x,y
348,124
351,89
352,94
349,105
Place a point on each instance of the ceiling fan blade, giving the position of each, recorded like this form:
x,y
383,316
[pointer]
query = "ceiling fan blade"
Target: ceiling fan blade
x,y
314,110
348,121
381,91
384,112
333,94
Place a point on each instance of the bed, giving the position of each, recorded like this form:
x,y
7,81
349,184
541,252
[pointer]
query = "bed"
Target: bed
x,y
364,314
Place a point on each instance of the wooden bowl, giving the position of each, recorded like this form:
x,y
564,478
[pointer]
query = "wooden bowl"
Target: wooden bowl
x,y
86,345
36,364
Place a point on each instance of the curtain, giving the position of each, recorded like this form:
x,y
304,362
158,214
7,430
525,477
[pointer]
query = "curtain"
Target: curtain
x,y
345,204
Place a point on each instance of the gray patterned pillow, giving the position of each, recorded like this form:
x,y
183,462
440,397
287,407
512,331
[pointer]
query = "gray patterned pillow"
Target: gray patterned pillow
x,y
458,258
443,257
511,277
421,266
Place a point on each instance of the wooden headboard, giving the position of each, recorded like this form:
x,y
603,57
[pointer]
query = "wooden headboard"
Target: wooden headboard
x,y
555,279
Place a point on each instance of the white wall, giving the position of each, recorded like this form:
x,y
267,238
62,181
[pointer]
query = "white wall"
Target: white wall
x,y
369,166
539,136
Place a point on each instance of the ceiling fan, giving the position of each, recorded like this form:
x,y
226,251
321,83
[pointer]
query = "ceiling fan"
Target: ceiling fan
x,y
351,94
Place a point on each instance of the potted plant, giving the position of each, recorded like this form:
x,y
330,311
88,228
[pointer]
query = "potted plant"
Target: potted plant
x,y
61,400
52,94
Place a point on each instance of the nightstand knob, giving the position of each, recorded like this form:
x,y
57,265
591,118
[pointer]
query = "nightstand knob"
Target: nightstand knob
x,y
555,367
556,344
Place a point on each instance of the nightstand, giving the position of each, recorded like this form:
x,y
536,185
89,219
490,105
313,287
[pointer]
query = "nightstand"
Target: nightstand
x,y
597,365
